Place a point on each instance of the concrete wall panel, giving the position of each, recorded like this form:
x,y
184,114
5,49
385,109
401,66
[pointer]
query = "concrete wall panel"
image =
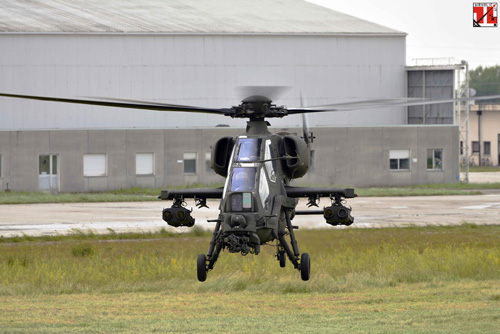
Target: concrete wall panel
x,y
194,70
353,156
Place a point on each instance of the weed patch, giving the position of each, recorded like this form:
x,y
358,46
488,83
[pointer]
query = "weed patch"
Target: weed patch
x,y
82,250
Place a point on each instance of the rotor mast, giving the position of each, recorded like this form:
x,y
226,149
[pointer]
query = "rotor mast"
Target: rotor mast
x,y
256,108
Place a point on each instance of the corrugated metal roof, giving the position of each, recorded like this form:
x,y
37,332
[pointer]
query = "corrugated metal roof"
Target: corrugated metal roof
x,y
179,16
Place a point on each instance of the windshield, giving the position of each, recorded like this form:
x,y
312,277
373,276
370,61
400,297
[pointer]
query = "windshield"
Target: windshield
x,y
243,179
249,149
264,190
270,163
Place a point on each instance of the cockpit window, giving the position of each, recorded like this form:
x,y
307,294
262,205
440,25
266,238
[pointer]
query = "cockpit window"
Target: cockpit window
x,y
243,179
249,149
270,164
264,194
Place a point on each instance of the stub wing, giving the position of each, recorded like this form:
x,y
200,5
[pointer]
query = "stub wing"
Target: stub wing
x,y
336,213
321,192
192,193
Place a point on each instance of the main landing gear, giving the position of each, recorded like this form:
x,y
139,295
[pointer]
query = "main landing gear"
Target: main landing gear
x,y
301,262
304,265
201,267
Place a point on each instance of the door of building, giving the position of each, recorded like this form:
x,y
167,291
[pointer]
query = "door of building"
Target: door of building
x,y
48,178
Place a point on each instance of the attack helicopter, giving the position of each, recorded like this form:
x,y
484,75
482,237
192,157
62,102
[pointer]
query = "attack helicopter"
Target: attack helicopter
x,y
257,202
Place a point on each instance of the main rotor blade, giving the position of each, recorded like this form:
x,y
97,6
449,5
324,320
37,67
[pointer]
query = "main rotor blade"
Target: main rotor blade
x,y
384,103
366,102
103,98
123,103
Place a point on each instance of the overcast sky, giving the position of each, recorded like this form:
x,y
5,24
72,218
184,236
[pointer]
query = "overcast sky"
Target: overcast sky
x,y
435,28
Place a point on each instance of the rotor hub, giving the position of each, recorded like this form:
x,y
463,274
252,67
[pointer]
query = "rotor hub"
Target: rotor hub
x,y
258,107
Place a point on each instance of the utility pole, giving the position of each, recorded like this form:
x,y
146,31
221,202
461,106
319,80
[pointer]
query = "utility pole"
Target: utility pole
x,y
463,122
467,94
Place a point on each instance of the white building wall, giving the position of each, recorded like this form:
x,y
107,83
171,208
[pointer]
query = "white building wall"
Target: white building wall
x,y
199,70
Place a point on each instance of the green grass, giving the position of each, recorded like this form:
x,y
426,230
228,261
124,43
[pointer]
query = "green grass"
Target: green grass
x,y
484,169
88,235
411,280
462,307
148,194
429,190
36,197
134,194
343,260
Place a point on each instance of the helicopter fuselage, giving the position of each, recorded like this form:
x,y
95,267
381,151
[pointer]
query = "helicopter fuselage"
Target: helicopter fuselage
x,y
257,202
251,206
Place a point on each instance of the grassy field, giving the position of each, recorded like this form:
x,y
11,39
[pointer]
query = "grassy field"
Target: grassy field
x,y
465,307
412,280
484,169
148,194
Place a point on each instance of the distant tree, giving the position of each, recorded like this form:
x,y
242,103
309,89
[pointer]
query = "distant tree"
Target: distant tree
x,y
485,80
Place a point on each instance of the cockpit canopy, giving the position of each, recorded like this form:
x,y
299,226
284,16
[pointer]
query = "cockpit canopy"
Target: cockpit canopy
x,y
248,181
249,149
243,179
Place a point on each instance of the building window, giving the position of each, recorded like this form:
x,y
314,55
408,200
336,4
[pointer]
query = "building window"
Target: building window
x,y
47,164
461,148
208,162
435,159
144,164
399,159
475,147
94,165
190,163
487,148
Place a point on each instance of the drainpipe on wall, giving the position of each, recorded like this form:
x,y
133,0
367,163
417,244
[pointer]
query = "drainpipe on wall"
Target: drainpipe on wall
x,y
479,113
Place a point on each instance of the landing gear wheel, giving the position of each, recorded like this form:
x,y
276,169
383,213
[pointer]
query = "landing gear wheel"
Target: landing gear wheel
x,y
201,267
282,259
305,267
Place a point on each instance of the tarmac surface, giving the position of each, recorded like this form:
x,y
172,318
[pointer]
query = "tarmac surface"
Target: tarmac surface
x,y
369,212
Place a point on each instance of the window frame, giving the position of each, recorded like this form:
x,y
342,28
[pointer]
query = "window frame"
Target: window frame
x,y
208,163
397,156
475,147
246,180
486,151
433,161
144,154
105,164
247,147
187,157
52,164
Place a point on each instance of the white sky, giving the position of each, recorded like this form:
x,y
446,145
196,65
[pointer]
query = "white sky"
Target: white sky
x,y
435,28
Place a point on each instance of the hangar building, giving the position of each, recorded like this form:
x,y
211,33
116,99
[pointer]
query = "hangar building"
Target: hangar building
x,y
201,53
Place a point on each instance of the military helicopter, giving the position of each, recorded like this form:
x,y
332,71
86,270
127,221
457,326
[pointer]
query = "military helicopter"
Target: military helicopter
x,y
257,203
